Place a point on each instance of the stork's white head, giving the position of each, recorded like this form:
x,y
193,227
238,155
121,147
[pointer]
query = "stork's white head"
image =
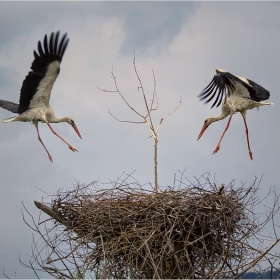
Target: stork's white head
x,y
206,124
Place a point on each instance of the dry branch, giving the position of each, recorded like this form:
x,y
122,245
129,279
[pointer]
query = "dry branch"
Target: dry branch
x,y
147,117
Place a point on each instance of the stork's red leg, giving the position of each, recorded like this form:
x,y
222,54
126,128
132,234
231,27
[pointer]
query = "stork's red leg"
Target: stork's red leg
x,y
247,135
218,146
39,138
70,147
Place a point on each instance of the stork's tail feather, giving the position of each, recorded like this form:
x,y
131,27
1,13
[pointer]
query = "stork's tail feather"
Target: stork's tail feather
x,y
267,103
9,119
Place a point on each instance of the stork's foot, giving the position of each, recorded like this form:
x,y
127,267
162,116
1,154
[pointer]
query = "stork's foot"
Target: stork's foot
x,y
72,148
50,158
251,155
216,150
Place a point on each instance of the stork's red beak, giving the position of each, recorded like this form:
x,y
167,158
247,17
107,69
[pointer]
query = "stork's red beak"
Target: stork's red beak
x,y
202,131
77,131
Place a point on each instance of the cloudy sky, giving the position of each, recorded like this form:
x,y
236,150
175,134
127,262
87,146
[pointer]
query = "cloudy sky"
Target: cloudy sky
x,y
183,43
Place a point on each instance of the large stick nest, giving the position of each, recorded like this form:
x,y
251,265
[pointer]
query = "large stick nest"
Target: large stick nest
x,y
131,232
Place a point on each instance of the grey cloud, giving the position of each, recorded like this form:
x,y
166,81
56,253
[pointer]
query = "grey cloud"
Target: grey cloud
x,y
145,23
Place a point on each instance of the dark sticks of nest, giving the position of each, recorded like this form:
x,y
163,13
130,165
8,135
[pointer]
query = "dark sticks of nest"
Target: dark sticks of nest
x,y
130,232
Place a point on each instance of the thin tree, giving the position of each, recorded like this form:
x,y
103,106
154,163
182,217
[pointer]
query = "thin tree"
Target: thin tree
x,y
146,116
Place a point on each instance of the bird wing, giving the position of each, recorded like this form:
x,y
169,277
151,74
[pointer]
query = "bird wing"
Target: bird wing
x,y
37,86
224,84
8,105
221,85
257,92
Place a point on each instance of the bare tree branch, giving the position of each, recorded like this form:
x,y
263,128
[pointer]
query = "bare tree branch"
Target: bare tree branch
x,y
147,117
161,120
5,274
125,121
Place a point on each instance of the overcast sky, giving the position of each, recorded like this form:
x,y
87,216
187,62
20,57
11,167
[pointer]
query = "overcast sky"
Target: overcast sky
x,y
183,43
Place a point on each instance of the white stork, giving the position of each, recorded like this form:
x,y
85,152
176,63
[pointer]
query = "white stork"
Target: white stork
x,y
240,95
36,88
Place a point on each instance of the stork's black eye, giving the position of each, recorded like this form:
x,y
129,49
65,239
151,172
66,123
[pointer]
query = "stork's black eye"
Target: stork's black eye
x,y
205,122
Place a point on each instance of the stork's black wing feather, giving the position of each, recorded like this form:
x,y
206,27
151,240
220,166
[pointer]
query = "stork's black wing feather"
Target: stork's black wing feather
x,y
220,86
257,92
53,51
8,105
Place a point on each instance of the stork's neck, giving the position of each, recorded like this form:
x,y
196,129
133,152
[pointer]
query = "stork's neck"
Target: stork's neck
x,y
223,115
54,119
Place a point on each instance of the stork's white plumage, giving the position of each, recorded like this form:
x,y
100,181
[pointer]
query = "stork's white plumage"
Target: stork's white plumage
x,y
36,88
240,94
